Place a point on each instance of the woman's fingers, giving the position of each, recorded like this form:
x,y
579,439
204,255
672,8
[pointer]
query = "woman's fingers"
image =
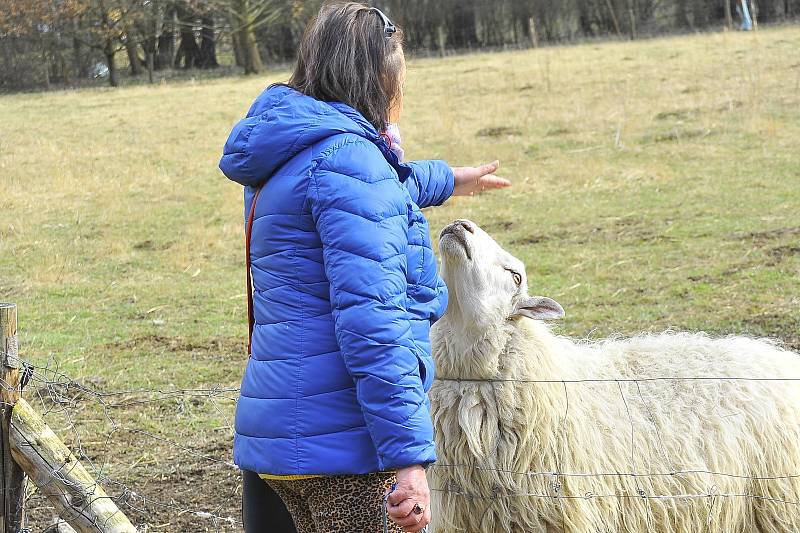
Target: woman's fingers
x,y
409,521
426,519
488,168
403,515
494,182
401,510
475,180
488,183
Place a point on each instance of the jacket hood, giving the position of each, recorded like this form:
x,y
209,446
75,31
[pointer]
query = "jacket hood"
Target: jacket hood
x,y
283,122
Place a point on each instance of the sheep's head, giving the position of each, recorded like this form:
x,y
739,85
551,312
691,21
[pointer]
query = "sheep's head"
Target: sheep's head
x,y
487,285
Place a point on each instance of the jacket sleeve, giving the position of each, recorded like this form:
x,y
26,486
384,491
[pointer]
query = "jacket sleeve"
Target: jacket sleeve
x,y
430,183
363,226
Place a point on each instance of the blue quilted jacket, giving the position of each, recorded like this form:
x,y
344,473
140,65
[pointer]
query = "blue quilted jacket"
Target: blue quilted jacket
x,y
346,290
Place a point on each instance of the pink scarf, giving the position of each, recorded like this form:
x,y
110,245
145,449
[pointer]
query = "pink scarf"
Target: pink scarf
x,y
392,134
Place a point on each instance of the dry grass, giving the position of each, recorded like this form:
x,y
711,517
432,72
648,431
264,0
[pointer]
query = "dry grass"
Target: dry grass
x,y
657,184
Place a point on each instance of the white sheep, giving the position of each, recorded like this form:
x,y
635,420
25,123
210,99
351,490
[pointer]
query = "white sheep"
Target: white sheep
x,y
538,433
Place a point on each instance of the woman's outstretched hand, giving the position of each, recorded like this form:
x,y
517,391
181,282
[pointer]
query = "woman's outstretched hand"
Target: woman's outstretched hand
x,y
475,180
409,498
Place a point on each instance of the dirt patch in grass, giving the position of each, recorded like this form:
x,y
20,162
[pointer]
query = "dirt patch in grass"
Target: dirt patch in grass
x,y
152,246
532,239
783,328
677,114
777,326
187,492
557,131
730,106
220,345
498,131
780,253
770,241
624,229
680,134
689,113
195,488
500,225
765,237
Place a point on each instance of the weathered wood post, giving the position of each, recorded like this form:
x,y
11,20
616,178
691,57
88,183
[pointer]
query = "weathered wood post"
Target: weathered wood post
x,y
59,475
12,482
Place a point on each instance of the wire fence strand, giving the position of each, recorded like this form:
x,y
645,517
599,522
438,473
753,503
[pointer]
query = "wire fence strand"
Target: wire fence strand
x,y
135,444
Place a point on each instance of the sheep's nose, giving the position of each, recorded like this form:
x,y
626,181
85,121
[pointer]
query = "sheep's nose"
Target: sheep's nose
x,y
467,225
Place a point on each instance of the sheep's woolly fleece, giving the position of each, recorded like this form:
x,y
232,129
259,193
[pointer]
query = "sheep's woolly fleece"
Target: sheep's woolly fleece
x,y
558,454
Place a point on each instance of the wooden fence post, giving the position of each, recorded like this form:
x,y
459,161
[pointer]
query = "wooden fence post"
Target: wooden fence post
x,y
77,497
12,481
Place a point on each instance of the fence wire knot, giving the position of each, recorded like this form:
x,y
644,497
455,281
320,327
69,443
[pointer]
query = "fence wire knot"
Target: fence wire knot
x,y
555,483
27,373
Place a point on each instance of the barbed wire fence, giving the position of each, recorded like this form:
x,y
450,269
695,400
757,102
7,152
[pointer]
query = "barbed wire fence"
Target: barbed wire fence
x,y
92,422
101,432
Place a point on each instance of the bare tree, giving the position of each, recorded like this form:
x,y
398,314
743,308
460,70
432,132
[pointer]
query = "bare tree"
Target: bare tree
x,y
108,26
246,17
56,41
728,15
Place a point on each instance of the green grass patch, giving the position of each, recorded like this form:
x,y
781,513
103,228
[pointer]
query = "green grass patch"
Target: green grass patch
x,y
656,185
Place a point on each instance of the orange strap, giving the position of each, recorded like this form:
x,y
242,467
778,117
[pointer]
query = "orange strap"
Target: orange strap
x,y
248,232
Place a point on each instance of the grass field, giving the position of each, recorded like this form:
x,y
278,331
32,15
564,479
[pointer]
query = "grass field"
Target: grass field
x,y
657,185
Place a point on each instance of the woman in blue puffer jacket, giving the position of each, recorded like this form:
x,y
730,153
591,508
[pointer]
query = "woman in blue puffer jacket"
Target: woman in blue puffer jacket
x,y
333,408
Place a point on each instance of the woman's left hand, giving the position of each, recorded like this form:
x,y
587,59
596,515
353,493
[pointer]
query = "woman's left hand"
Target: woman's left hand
x,y
475,180
409,505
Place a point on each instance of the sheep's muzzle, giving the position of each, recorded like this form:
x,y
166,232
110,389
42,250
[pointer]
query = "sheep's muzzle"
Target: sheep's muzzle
x,y
458,232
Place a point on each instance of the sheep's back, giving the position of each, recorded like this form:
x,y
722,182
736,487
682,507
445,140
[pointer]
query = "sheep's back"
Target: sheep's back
x,y
659,425
686,414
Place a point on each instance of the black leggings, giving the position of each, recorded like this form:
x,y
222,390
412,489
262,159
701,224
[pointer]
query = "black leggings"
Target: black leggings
x,y
262,509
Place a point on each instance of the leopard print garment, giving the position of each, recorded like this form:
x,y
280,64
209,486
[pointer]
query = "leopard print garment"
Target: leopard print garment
x,y
337,504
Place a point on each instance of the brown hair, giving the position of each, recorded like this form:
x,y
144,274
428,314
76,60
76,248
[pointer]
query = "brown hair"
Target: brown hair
x,y
346,56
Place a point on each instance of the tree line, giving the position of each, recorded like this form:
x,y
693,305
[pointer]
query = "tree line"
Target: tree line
x,y
65,42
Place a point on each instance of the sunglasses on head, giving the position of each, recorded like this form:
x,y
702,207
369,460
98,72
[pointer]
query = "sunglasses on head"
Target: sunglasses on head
x,y
389,28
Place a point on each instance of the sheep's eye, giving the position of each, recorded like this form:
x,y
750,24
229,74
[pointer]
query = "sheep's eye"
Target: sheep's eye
x,y
517,278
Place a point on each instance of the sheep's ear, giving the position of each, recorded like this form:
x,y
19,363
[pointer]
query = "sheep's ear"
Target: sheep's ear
x,y
538,308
